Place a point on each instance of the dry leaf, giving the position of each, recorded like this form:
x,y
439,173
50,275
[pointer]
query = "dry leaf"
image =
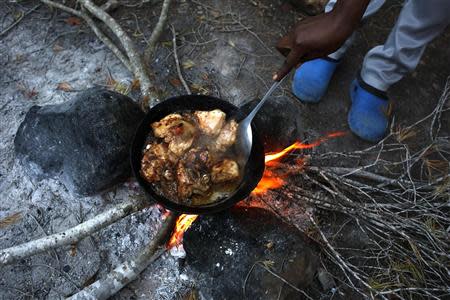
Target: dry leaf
x,y
167,44
175,82
191,295
188,64
110,81
31,93
57,47
122,88
199,89
215,13
73,21
11,219
73,250
135,84
64,86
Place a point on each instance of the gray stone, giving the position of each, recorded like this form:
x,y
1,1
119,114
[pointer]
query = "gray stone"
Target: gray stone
x,y
84,142
228,250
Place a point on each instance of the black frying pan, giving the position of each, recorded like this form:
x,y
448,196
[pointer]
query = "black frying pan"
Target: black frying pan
x,y
252,173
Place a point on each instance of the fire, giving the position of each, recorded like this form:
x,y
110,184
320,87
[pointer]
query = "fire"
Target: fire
x,y
271,180
183,223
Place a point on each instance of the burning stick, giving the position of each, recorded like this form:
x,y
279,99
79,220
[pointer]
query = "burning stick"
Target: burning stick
x,y
183,223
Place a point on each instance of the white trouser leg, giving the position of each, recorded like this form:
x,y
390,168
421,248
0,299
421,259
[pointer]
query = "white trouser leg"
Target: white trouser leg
x,y
372,8
419,22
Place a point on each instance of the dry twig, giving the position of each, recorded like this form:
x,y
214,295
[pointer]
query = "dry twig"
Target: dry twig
x,y
134,57
404,217
129,270
157,30
177,62
72,235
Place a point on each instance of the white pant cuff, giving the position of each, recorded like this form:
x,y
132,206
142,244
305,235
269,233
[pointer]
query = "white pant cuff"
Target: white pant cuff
x,y
374,81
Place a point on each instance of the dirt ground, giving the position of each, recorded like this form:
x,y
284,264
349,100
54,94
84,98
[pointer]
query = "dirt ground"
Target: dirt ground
x,y
226,48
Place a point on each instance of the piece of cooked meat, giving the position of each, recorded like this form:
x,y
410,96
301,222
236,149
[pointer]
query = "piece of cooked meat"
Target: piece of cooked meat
x,y
227,137
162,128
154,161
176,131
210,122
157,162
224,171
158,150
193,173
180,144
151,170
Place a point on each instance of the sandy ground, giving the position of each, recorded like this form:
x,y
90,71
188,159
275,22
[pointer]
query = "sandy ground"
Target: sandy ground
x,y
230,48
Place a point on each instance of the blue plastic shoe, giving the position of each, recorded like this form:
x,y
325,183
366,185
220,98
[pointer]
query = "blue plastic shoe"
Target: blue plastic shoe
x,y
369,115
311,79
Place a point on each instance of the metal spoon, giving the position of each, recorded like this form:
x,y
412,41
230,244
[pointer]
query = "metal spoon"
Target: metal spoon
x,y
244,136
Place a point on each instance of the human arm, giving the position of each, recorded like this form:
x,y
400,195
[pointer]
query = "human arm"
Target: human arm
x,y
320,35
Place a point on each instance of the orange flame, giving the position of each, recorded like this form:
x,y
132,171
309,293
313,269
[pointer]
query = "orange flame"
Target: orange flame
x,y
270,179
183,223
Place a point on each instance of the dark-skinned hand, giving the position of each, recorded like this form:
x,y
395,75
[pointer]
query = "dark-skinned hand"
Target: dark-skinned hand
x,y
320,35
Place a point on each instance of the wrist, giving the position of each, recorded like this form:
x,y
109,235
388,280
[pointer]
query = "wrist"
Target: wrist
x,y
348,13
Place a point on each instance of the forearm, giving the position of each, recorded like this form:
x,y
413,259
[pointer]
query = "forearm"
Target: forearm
x,y
350,12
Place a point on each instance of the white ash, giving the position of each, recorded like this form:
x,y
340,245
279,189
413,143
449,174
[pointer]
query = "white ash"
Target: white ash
x,y
31,72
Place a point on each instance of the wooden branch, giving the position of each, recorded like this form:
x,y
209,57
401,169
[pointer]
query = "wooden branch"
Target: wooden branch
x,y
177,62
129,270
134,57
110,5
157,30
72,235
102,37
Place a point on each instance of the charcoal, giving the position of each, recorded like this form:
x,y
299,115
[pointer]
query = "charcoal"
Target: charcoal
x,y
224,248
84,142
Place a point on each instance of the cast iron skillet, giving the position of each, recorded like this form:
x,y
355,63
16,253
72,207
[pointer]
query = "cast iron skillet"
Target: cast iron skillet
x,y
252,173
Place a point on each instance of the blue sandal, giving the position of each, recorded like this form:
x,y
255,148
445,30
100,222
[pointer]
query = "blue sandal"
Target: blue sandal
x,y
369,114
311,79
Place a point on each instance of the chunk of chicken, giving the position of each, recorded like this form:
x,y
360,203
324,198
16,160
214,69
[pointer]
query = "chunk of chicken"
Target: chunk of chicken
x,y
224,171
210,122
176,131
227,137
162,128
154,161
192,173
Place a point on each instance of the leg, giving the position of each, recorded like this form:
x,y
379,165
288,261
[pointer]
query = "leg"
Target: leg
x,y
373,7
312,78
419,22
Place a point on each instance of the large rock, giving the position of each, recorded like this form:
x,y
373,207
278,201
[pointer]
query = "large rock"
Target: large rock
x,y
84,142
227,248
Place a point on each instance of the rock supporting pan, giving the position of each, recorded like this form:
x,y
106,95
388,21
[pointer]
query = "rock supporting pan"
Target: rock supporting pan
x,y
252,172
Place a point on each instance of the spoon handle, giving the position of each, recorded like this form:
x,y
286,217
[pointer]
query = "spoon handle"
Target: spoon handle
x,y
252,114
